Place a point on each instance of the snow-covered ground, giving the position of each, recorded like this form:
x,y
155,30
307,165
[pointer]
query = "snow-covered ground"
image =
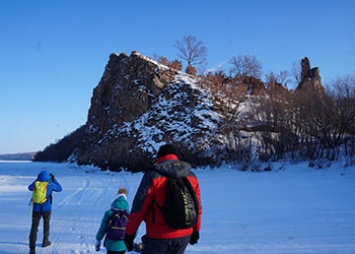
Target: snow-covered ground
x,y
294,210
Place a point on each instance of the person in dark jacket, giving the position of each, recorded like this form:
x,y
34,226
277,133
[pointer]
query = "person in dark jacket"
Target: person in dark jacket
x,y
42,209
160,238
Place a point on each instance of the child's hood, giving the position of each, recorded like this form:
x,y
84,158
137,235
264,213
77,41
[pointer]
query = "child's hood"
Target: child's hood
x,y
120,203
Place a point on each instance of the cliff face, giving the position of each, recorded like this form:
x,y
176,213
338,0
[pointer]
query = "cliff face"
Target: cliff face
x,y
139,105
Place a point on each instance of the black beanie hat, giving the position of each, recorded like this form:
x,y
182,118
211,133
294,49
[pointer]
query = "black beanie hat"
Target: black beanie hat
x,y
167,149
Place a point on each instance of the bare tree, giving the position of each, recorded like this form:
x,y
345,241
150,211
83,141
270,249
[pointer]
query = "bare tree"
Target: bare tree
x,y
343,94
245,66
191,50
296,72
271,79
282,78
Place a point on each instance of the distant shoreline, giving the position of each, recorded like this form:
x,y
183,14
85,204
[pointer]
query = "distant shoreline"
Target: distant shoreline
x,y
15,161
18,156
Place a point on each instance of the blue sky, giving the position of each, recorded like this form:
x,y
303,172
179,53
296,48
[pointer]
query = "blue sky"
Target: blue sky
x,y
53,53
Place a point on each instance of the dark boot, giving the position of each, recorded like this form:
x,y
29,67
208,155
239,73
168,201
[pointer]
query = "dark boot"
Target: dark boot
x,y
32,252
34,228
46,243
46,222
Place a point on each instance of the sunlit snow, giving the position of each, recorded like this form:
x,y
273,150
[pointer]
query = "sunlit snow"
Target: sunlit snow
x,y
290,210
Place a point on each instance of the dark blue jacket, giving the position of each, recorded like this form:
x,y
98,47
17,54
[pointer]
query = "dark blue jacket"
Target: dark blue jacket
x,y
44,176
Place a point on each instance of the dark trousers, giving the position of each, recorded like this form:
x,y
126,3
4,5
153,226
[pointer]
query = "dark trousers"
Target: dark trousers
x,y
165,246
116,252
36,217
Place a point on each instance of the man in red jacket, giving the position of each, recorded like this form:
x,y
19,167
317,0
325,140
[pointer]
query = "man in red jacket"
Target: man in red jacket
x,y
160,238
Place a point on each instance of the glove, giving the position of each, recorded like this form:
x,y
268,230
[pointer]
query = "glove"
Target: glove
x,y
52,177
97,246
128,240
194,237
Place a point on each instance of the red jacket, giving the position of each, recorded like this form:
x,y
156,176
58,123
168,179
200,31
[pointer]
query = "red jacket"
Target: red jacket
x,y
153,186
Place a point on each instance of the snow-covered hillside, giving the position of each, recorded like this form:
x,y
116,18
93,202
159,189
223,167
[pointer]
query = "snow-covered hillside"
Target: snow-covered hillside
x,y
294,210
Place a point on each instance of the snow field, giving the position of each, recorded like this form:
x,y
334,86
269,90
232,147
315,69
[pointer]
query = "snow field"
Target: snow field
x,y
298,210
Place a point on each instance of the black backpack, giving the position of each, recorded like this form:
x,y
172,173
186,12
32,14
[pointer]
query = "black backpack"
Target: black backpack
x,y
117,225
180,210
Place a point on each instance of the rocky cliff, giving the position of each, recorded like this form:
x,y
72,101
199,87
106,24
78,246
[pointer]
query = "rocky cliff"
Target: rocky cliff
x,y
139,105
310,77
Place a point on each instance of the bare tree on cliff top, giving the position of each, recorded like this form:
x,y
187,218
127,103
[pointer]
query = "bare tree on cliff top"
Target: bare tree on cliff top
x,y
191,50
245,66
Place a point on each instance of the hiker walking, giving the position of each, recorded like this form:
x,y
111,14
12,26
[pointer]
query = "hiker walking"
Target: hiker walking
x,y
41,201
113,225
162,235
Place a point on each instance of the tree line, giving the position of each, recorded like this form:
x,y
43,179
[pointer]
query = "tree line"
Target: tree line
x,y
194,53
299,124
307,124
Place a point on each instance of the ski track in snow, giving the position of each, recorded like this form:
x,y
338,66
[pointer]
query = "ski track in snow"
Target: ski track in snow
x,y
295,211
72,216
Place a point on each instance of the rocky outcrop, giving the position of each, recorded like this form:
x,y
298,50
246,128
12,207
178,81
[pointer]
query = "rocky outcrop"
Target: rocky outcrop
x,y
310,77
139,105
